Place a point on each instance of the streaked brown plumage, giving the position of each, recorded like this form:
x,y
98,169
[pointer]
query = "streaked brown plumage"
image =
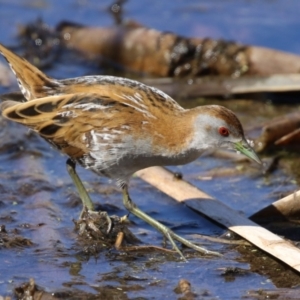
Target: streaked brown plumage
x,y
116,126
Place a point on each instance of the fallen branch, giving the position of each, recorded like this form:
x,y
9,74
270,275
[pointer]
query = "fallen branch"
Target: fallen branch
x,y
285,208
183,191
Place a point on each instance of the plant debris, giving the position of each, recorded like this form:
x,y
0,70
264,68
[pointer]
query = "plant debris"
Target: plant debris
x,y
11,239
97,234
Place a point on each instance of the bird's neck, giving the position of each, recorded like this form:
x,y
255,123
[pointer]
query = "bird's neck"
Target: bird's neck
x,y
200,122
177,136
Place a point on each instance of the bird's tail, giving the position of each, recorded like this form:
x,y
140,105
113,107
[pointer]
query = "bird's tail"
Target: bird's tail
x,y
32,82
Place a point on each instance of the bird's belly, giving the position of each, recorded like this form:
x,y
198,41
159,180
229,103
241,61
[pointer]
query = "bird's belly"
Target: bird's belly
x,y
123,168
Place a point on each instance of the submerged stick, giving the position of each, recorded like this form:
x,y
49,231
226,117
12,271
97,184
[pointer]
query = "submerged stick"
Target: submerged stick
x,y
224,85
194,198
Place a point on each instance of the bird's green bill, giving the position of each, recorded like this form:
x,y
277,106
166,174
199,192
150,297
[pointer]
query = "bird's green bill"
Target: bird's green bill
x,y
246,149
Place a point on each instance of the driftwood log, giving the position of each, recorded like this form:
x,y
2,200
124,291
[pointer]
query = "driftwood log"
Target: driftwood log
x,y
165,54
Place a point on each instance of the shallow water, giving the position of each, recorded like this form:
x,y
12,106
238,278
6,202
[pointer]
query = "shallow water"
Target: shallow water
x,y
38,199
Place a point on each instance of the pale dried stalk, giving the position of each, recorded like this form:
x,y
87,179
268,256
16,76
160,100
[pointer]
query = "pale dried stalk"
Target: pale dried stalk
x,y
183,191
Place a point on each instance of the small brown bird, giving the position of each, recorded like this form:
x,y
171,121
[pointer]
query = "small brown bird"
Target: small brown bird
x,y
116,126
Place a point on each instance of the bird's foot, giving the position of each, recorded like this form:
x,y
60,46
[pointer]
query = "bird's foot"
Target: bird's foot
x,y
167,232
172,237
95,220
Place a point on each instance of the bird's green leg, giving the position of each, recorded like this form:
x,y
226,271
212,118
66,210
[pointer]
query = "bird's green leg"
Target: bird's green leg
x,y
83,194
168,233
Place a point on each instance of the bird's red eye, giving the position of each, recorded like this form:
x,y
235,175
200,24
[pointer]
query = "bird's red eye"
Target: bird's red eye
x,y
223,131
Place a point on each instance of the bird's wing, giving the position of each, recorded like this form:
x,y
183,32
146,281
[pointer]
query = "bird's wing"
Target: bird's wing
x,y
76,123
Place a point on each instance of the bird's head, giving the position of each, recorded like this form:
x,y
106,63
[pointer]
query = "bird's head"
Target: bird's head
x,y
218,127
